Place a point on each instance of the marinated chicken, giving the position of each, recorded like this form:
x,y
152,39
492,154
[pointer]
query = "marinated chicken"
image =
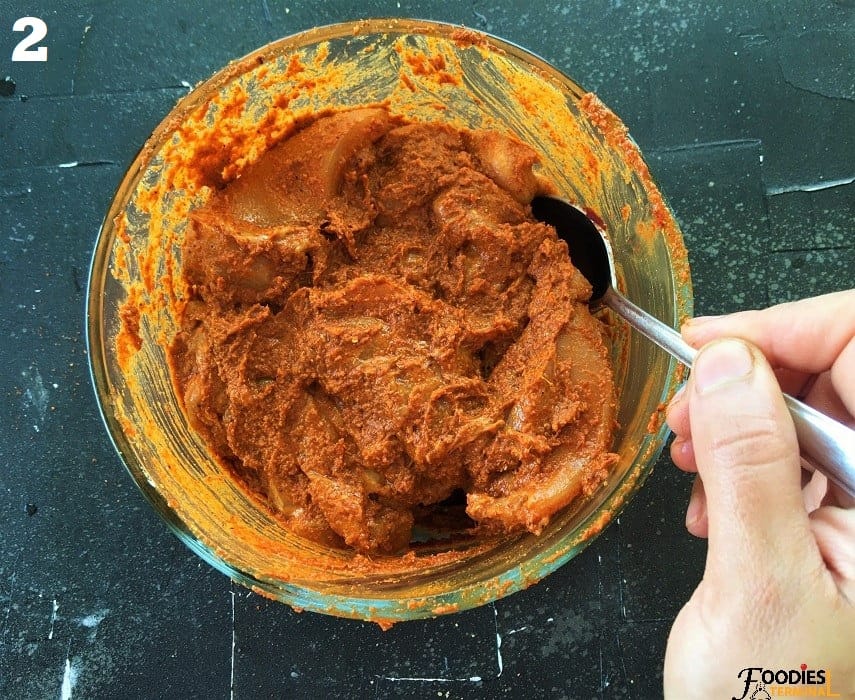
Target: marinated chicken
x,y
378,329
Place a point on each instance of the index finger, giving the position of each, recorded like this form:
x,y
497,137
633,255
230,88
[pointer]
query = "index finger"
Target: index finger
x,y
806,335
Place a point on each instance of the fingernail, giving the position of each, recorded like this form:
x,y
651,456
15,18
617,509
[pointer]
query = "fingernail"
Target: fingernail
x,y
697,504
694,511
685,447
694,324
722,362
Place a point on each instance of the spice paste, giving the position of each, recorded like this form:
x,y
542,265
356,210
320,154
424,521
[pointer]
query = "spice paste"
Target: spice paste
x,y
377,330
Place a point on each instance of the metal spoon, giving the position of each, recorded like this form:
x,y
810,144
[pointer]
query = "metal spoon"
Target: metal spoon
x,y
826,445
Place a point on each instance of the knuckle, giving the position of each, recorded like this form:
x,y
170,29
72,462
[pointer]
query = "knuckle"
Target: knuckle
x,y
751,442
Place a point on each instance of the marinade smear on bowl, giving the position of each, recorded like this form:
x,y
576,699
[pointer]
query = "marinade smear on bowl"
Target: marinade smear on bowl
x,y
377,330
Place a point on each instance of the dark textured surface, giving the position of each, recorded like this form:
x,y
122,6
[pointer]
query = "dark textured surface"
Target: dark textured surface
x,y
746,114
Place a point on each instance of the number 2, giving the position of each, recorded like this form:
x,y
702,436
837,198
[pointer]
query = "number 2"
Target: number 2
x,y
22,51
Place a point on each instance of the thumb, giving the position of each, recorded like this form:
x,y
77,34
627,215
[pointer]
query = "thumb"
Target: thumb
x,y
748,457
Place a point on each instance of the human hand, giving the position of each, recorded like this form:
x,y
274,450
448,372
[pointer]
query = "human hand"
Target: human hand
x,y
778,593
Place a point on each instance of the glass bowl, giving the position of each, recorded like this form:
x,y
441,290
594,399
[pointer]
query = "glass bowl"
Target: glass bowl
x,y
421,70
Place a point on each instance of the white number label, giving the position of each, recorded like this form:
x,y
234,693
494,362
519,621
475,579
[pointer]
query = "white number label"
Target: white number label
x,y
26,49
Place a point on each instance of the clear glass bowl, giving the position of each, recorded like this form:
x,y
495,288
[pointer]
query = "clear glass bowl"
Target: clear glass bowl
x,y
422,70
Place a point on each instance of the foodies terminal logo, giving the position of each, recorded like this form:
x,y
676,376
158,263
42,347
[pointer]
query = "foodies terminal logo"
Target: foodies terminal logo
x,y
762,683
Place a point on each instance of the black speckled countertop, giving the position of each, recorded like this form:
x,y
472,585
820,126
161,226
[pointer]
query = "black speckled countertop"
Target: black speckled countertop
x,y
746,115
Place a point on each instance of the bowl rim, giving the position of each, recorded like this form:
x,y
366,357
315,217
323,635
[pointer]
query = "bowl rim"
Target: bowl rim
x,y
518,576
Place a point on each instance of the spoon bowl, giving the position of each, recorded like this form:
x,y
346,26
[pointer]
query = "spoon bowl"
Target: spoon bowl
x,y
590,249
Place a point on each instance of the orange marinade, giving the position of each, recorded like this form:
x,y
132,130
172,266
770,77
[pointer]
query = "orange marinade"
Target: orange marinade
x,y
379,337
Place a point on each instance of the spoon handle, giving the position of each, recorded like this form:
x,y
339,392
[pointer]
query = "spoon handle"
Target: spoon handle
x,y
660,333
825,444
